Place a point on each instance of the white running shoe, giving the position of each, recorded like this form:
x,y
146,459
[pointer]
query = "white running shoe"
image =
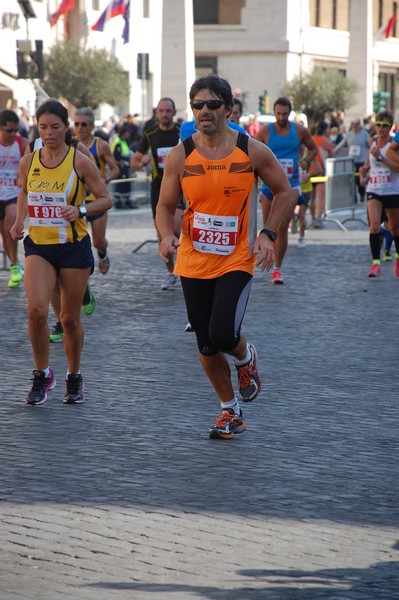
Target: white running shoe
x,y
169,282
104,264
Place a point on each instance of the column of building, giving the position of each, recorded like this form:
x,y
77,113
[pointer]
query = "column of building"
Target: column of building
x,y
360,59
178,63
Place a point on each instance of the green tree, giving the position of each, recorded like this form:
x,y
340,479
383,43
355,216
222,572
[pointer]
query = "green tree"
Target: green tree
x,y
84,77
320,92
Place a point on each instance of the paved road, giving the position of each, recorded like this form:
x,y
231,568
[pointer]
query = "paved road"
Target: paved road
x,y
126,498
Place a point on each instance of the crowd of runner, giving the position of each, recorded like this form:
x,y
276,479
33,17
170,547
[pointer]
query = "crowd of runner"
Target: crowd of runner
x,y
204,201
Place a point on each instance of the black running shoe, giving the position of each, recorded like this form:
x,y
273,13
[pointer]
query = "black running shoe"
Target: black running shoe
x,y
41,385
227,424
74,389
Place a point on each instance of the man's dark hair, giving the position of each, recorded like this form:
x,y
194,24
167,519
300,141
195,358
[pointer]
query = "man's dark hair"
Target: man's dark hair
x,y
8,116
124,129
53,107
167,99
384,115
283,101
217,85
322,127
238,102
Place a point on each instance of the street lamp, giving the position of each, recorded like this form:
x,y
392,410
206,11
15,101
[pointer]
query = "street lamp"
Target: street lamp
x,y
28,13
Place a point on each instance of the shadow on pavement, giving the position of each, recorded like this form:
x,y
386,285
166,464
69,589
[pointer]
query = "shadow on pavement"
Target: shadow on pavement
x,y
322,584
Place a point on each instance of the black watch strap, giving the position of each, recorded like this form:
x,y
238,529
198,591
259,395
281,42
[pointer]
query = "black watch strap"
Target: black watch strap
x,y
272,235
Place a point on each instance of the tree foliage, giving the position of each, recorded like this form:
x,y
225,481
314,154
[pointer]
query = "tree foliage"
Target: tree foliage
x,y
320,92
84,77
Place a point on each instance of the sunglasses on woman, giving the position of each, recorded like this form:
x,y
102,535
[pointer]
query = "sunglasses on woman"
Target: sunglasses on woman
x,y
211,104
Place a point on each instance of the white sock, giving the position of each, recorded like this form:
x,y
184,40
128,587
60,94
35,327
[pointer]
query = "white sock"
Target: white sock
x,y
46,372
247,358
232,404
69,373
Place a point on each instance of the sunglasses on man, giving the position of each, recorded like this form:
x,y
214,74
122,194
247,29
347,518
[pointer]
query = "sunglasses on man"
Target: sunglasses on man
x,y
382,124
211,104
80,124
10,129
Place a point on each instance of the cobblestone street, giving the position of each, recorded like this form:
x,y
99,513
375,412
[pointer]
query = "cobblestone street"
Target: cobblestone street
x,y
126,498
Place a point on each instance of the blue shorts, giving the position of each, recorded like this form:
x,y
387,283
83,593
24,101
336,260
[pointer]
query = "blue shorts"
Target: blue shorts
x,y
267,193
71,255
3,204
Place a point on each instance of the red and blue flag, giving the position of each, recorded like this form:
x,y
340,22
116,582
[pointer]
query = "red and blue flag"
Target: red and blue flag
x,y
126,28
115,8
65,6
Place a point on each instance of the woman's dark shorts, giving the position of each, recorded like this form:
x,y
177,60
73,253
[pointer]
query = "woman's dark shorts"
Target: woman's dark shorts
x,y
71,255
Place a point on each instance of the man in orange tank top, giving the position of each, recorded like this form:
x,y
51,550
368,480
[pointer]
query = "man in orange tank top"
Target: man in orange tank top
x,y
216,169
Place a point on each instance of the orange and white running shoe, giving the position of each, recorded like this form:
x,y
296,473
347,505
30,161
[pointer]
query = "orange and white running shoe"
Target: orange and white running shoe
x,y
227,424
249,380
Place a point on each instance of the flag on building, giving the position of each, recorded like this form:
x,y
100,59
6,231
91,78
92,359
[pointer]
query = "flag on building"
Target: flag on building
x,y
115,8
65,6
126,28
385,31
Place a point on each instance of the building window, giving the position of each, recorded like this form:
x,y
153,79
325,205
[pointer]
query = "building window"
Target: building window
x,y
205,65
317,13
380,12
206,12
218,12
334,14
386,83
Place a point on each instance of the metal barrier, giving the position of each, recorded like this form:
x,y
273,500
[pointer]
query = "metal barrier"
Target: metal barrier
x,y
137,248
340,191
141,189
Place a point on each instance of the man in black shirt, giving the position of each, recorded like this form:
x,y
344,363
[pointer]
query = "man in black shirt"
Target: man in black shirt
x,y
154,146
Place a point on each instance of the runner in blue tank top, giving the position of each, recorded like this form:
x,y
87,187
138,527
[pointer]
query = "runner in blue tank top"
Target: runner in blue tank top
x,y
286,149
285,138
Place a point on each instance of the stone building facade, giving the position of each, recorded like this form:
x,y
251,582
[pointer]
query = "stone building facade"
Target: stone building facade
x,y
256,44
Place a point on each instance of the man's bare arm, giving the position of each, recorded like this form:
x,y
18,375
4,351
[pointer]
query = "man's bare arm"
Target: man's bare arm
x,y
168,201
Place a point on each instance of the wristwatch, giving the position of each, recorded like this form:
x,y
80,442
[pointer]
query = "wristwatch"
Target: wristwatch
x,y
82,211
272,235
